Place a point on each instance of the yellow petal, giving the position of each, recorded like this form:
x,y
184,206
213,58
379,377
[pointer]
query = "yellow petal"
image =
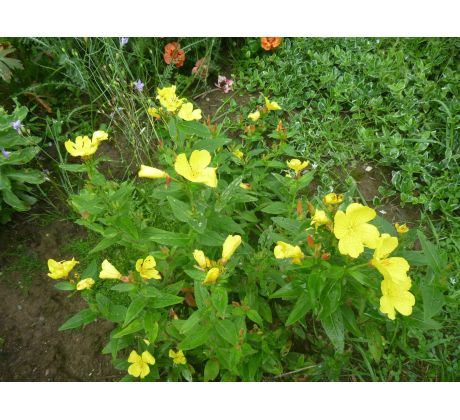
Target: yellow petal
x,y
85,284
386,244
199,160
135,370
134,357
200,258
232,242
152,173
208,177
148,358
211,276
182,167
109,271
351,245
99,136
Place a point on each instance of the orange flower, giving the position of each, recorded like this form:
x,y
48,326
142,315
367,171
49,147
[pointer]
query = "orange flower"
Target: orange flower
x,y
173,54
270,43
201,68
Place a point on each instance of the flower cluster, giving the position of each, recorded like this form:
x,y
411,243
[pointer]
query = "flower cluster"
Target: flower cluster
x,y
215,268
354,234
85,147
172,103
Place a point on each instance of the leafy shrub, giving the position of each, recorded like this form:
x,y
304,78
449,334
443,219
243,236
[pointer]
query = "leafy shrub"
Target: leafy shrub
x,y
17,149
232,270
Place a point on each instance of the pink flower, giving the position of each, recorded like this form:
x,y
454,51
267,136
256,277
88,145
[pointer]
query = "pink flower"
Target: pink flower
x,y
224,84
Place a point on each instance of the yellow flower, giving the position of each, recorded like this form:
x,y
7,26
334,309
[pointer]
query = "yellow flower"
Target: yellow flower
x,y
152,173
394,268
197,170
168,99
187,112
153,112
109,271
401,228
140,364
231,243
254,116
178,357
85,284
272,105
297,165
333,198
319,218
146,268
245,185
211,276
396,297
82,147
238,153
353,231
60,270
99,136
284,251
200,258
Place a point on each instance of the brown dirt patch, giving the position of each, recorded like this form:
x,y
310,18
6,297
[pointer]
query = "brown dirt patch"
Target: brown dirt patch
x,y
32,348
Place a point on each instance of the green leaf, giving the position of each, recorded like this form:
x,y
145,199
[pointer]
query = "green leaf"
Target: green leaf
x,y
30,176
64,285
374,342
333,326
13,200
196,338
254,316
305,180
433,299
73,167
286,292
105,243
190,323
301,307
164,237
82,318
123,287
164,300
219,299
431,253
181,210
201,294
276,207
134,309
211,370
136,325
151,327
193,128
211,144
227,330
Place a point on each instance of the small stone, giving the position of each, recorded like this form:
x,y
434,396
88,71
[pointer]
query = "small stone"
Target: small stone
x,y
41,318
368,168
47,372
19,308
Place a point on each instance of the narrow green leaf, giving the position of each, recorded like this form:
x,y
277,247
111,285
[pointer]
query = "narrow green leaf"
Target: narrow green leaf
x,y
134,309
82,318
301,307
333,326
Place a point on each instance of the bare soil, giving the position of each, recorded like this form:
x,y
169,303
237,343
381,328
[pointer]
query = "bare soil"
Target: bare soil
x,y
32,348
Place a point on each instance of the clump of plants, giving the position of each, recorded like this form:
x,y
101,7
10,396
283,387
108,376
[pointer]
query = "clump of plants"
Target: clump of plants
x,y
224,266
18,149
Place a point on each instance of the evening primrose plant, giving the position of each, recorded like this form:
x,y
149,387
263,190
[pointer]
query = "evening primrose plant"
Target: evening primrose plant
x,y
228,269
